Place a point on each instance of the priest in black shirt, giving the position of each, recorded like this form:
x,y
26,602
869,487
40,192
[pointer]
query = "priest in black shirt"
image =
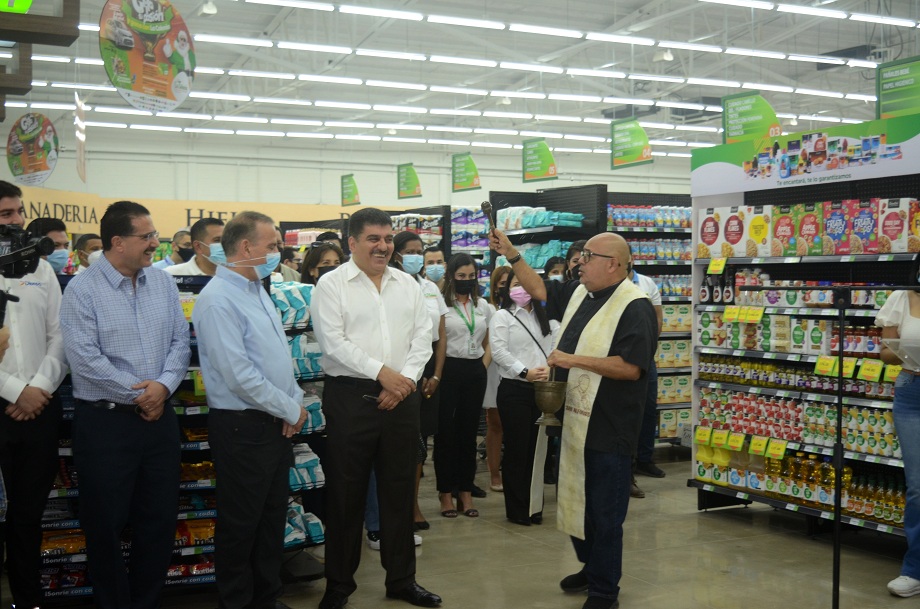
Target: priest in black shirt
x,y
607,343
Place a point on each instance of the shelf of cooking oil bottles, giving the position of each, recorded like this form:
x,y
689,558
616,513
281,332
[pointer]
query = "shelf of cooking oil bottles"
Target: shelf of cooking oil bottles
x,y
874,495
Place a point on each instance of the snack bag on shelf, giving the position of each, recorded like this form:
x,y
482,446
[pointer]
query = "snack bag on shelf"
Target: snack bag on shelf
x,y
667,426
863,217
809,225
709,233
733,235
757,231
783,242
837,229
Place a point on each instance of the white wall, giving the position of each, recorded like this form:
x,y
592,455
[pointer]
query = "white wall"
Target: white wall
x,y
136,164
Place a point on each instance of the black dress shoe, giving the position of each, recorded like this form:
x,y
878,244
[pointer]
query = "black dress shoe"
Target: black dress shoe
x,y
650,469
477,492
524,522
577,582
598,602
537,519
415,595
422,526
333,600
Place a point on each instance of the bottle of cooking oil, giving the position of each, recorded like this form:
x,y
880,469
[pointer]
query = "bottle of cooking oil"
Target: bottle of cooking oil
x,y
826,479
859,497
878,510
869,505
900,501
847,486
786,476
798,477
773,470
888,501
810,477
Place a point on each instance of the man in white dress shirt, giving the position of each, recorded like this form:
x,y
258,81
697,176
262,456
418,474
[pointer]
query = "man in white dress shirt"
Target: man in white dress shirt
x,y
373,326
205,233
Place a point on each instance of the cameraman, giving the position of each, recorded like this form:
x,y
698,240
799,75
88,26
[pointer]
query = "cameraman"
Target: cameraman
x,y
31,371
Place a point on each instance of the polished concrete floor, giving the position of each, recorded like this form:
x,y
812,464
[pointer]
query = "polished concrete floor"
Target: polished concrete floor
x,y
675,557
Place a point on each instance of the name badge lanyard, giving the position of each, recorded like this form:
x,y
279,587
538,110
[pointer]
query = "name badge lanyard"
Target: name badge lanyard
x,y
471,325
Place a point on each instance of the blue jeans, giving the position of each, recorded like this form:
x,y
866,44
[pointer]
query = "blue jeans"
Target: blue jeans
x,y
607,480
372,508
907,425
646,447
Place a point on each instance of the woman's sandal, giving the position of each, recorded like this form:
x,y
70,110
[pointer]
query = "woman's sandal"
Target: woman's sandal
x,y
449,513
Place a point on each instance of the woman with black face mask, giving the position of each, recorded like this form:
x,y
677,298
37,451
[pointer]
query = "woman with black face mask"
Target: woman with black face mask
x,y
463,386
323,257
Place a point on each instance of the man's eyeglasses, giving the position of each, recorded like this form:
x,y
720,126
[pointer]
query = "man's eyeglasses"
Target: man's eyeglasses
x,y
146,236
587,254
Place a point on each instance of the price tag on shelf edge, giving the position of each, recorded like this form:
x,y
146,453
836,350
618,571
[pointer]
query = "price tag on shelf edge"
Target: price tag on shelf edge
x,y
849,367
758,445
826,365
776,448
891,373
736,441
871,370
719,438
703,435
716,266
731,313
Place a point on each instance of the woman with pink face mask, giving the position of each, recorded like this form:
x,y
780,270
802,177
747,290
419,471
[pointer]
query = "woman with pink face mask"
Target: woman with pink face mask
x,y
521,336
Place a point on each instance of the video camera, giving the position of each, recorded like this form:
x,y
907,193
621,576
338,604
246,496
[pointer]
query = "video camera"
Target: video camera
x,y
19,256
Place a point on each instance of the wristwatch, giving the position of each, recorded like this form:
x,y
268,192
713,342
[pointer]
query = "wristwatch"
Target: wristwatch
x,y
523,373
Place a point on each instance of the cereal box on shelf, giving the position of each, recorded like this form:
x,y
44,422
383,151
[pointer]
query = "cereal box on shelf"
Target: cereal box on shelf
x,y
809,225
894,227
733,235
784,231
709,233
757,230
913,241
863,219
837,228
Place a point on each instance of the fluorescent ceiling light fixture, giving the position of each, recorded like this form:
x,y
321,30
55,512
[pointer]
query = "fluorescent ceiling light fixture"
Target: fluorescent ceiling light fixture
x,y
714,109
316,136
258,74
595,73
106,125
635,101
861,97
51,58
518,94
518,146
834,61
5,55
447,129
336,80
548,134
245,42
767,6
396,85
241,119
682,105
402,126
114,110
557,117
546,31
462,21
39,83
601,37
755,53
818,117
88,61
313,6
680,155
558,149
380,12
862,63
303,122
599,121
490,145
675,143
88,27
457,90
810,10
655,78
203,70
659,153
766,87
449,142
819,93
700,145
690,46
882,19
390,54
350,124
601,151
74,85
260,133
585,138
362,138
649,125
281,101
714,82
343,105
449,112
404,109
575,98
700,128
484,131
405,140
316,48
223,96
850,121
463,61
528,67
11,104
187,115
497,114
785,115
157,128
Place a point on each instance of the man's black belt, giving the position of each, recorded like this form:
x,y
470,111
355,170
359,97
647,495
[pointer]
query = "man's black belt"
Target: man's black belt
x,y
365,385
248,412
113,406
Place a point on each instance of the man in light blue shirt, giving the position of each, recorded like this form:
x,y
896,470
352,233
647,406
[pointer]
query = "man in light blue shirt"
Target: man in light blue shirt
x,y
255,407
127,343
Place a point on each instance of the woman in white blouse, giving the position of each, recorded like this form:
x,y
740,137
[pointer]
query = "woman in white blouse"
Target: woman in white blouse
x,y
521,336
462,386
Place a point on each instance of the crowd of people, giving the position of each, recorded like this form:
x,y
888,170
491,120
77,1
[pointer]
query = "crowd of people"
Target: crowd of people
x,y
411,351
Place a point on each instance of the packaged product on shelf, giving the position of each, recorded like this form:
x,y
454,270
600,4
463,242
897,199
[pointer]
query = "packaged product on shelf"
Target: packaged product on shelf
x,y
913,240
809,223
733,234
69,541
894,226
683,389
784,231
863,218
203,565
704,463
665,354
460,217
781,333
757,230
683,353
292,300
738,464
667,425
709,233
837,228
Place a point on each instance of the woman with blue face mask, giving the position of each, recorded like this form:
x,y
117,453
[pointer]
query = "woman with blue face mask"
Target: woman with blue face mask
x,y
554,269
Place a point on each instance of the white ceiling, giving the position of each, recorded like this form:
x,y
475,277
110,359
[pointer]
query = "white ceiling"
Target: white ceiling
x,y
661,21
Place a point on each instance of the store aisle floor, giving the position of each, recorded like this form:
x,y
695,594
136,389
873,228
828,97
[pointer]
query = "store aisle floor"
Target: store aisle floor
x,y
675,557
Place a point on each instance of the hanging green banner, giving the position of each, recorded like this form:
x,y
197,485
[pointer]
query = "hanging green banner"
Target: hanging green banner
x,y
748,116
898,88
350,194
15,6
537,161
464,174
629,145
408,186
